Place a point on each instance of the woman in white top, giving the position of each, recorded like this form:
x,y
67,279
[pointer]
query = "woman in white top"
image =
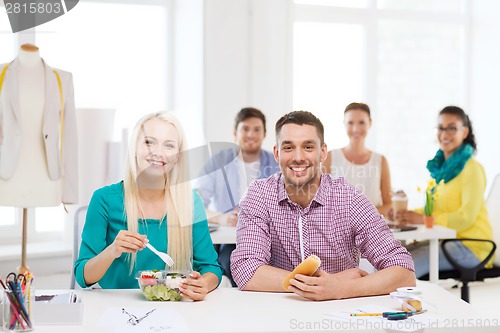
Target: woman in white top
x,y
368,171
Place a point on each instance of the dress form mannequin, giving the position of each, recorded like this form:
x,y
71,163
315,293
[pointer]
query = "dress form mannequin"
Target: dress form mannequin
x,y
30,185
23,108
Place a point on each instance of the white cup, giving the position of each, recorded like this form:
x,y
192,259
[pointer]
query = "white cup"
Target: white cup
x,y
399,204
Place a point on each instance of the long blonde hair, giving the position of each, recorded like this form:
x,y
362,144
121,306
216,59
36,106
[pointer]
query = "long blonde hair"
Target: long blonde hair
x,y
178,196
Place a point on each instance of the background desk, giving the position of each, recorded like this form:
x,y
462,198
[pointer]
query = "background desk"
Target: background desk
x,y
433,235
231,310
224,235
227,235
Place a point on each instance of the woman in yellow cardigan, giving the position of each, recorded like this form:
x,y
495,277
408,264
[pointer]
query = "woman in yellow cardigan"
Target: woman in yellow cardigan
x,y
460,203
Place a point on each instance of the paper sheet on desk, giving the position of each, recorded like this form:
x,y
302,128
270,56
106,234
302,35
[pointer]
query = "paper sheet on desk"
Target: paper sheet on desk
x,y
344,320
159,320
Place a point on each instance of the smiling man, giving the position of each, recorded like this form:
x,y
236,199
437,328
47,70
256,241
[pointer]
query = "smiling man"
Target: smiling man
x,y
220,192
299,212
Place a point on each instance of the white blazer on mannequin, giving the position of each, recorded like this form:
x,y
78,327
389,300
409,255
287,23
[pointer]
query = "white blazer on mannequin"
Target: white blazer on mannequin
x,y
11,136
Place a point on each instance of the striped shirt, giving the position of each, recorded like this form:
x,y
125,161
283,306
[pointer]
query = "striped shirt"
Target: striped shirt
x,y
339,225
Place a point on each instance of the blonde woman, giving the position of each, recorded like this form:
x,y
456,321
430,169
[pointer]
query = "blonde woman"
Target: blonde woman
x,y
152,204
367,170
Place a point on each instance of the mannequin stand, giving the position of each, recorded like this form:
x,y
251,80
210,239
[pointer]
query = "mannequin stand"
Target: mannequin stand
x,y
23,269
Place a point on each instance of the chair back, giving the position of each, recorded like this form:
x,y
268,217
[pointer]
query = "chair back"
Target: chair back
x,y
79,222
493,206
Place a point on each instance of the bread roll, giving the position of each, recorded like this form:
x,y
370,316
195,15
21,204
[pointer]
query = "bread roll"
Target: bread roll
x,y
306,267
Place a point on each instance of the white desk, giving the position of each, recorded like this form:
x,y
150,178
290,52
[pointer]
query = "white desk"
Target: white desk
x,y
227,235
224,235
231,310
433,235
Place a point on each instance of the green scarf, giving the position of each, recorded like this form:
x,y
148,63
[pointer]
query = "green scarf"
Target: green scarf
x,y
446,170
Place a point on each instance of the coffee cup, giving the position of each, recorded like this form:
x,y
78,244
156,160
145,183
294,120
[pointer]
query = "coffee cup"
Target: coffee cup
x,y
399,203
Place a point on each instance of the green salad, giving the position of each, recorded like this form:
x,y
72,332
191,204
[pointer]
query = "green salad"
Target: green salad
x,y
161,285
160,292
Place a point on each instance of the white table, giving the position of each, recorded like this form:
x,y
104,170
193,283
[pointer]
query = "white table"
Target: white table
x,y
224,235
231,310
433,235
227,235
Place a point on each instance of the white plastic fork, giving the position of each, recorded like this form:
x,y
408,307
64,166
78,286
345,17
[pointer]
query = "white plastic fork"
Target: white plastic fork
x,y
164,256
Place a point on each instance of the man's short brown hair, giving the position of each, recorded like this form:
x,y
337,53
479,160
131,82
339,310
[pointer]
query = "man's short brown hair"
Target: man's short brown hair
x,y
249,112
301,118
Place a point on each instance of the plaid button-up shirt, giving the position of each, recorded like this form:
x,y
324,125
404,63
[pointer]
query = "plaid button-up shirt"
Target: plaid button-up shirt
x,y
339,225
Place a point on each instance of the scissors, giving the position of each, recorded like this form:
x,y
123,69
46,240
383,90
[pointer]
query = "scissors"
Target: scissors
x,y
18,278
17,282
399,316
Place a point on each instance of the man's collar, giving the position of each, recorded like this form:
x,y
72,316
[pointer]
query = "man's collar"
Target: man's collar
x,y
320,196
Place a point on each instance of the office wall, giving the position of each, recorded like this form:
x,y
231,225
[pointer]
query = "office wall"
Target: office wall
x,y
247,46
485,82
226,65
186,65
246,63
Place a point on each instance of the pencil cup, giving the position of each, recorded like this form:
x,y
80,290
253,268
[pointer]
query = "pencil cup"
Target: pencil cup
x,y
16,314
